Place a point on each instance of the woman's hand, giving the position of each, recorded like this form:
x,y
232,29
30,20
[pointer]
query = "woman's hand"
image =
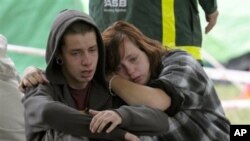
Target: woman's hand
x,y
103,118
131,137
32,76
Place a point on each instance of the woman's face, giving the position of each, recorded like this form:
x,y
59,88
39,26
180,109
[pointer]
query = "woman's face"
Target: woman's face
x,y
134,64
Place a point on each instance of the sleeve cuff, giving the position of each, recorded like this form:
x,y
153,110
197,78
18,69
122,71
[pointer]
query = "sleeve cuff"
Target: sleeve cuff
x,y
123,114
175,95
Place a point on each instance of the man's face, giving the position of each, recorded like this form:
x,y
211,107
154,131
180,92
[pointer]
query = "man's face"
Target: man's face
x,y
80,56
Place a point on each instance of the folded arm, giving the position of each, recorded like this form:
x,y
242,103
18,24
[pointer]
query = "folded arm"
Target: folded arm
x,y
136,94
41,111
141,120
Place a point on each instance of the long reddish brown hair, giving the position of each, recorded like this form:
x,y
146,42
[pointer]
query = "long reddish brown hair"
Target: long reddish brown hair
x,y
114,38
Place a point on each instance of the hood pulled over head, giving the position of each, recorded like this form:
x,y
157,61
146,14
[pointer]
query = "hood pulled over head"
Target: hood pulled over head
x,y
63,20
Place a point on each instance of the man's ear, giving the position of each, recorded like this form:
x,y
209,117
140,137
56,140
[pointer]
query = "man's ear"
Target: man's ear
x,y
59,61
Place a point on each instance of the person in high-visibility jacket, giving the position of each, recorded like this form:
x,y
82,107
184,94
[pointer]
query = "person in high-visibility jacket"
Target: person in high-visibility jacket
x,y
175,23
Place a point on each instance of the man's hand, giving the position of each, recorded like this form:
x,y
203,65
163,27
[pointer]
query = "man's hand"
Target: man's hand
x,y
32,76
102,118
211,19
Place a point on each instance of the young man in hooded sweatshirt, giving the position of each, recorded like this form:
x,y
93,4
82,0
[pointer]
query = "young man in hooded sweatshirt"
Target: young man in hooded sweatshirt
x,y
75,69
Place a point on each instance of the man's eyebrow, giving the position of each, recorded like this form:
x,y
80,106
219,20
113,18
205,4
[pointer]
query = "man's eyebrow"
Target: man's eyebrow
x,y
93,46
76,49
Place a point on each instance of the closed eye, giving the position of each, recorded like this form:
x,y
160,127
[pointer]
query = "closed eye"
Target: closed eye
x,y
93,49
133,59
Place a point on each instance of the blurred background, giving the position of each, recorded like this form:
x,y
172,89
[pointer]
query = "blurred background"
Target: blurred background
x,y
226,49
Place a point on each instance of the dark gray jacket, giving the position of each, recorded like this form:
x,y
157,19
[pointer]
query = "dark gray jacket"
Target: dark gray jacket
x,y
50,112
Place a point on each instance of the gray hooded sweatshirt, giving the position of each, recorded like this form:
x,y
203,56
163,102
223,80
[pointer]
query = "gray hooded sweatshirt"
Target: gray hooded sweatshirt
x,y
50,111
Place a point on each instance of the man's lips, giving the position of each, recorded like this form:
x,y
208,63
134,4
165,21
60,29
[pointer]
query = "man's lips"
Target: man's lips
x,y
86,73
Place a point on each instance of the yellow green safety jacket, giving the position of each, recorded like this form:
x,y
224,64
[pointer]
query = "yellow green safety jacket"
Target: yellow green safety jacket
x,y
175,23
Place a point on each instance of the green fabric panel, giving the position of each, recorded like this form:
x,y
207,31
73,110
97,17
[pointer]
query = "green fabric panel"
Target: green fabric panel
x,y
27,23
149,17
187,23
138,12
209,6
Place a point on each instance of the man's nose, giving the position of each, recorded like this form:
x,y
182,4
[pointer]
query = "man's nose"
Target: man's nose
x,y
86,59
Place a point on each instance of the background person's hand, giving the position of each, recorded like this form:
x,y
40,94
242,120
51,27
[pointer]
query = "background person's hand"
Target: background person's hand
x,y
211,19
103,118
32,76
131,137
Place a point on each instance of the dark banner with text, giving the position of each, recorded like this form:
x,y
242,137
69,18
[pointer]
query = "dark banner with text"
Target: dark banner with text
x,y
239,132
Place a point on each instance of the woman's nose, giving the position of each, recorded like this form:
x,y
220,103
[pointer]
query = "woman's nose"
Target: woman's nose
x,y
130,70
